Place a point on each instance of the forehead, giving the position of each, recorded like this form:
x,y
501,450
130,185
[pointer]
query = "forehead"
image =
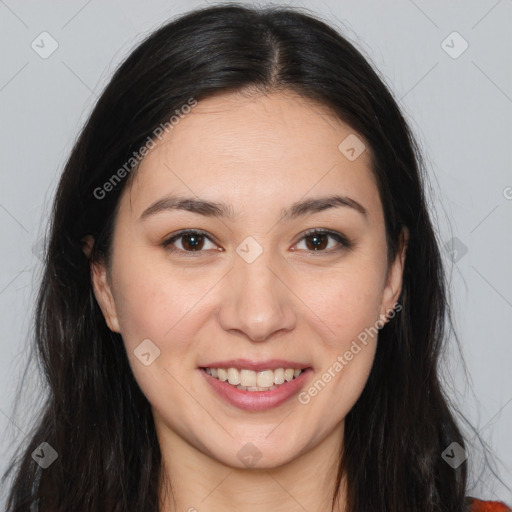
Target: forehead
x,y
259,150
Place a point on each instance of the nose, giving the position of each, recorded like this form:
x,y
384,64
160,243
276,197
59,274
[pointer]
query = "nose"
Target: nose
x,y
256,300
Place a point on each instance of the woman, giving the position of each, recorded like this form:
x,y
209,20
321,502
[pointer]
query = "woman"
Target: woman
x,y
243,300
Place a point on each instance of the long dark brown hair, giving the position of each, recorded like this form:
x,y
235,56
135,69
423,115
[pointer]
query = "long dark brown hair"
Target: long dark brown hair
x,y
95,416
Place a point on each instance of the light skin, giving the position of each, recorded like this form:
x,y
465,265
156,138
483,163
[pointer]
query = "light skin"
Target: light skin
x,y
259,154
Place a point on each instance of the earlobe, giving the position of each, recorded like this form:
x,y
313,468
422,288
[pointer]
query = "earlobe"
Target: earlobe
x,y
103,294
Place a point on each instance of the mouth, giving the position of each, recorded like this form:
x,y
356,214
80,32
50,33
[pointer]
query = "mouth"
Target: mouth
x,y
256,390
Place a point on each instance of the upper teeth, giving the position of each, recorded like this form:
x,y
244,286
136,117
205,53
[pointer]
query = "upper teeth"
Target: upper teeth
x,y
249,378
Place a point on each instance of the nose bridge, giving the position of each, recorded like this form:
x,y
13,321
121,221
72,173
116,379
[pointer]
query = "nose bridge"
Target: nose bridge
x,y
257,303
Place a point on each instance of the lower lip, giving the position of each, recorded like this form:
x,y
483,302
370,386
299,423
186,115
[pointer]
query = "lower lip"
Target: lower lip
x,y
257,400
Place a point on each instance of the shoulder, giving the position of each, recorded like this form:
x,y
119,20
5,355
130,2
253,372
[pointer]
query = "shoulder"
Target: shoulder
x,y
487,506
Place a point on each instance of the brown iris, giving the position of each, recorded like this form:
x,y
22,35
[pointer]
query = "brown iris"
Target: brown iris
x,y
319,241
192,241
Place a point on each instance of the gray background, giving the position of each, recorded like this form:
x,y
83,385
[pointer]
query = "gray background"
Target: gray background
x,y
459,108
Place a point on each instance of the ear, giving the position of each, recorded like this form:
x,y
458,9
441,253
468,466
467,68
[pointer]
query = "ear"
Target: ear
x,y
101,285
394,278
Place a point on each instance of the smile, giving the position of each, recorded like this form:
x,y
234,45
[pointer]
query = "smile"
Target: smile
x,y
256,390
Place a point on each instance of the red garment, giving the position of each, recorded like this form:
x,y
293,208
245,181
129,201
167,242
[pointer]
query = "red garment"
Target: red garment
x,y
488,506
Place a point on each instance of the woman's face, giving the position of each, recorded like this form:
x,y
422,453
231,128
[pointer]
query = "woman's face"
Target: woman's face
x,y
249,291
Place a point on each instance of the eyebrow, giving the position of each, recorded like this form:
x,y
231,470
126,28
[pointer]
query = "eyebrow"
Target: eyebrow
x,y
222,210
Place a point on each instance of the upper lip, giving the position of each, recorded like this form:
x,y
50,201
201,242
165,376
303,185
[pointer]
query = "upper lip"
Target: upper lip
x,y
257,366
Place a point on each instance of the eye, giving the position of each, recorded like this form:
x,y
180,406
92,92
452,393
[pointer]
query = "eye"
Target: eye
x,y
190,241
317,240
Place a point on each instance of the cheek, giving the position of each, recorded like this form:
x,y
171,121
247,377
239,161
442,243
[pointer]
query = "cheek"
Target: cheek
x,y
346,313
160,304
344,303
345,308
154,301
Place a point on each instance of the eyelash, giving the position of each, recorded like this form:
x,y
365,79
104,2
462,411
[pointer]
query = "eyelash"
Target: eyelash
x,y
344,242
